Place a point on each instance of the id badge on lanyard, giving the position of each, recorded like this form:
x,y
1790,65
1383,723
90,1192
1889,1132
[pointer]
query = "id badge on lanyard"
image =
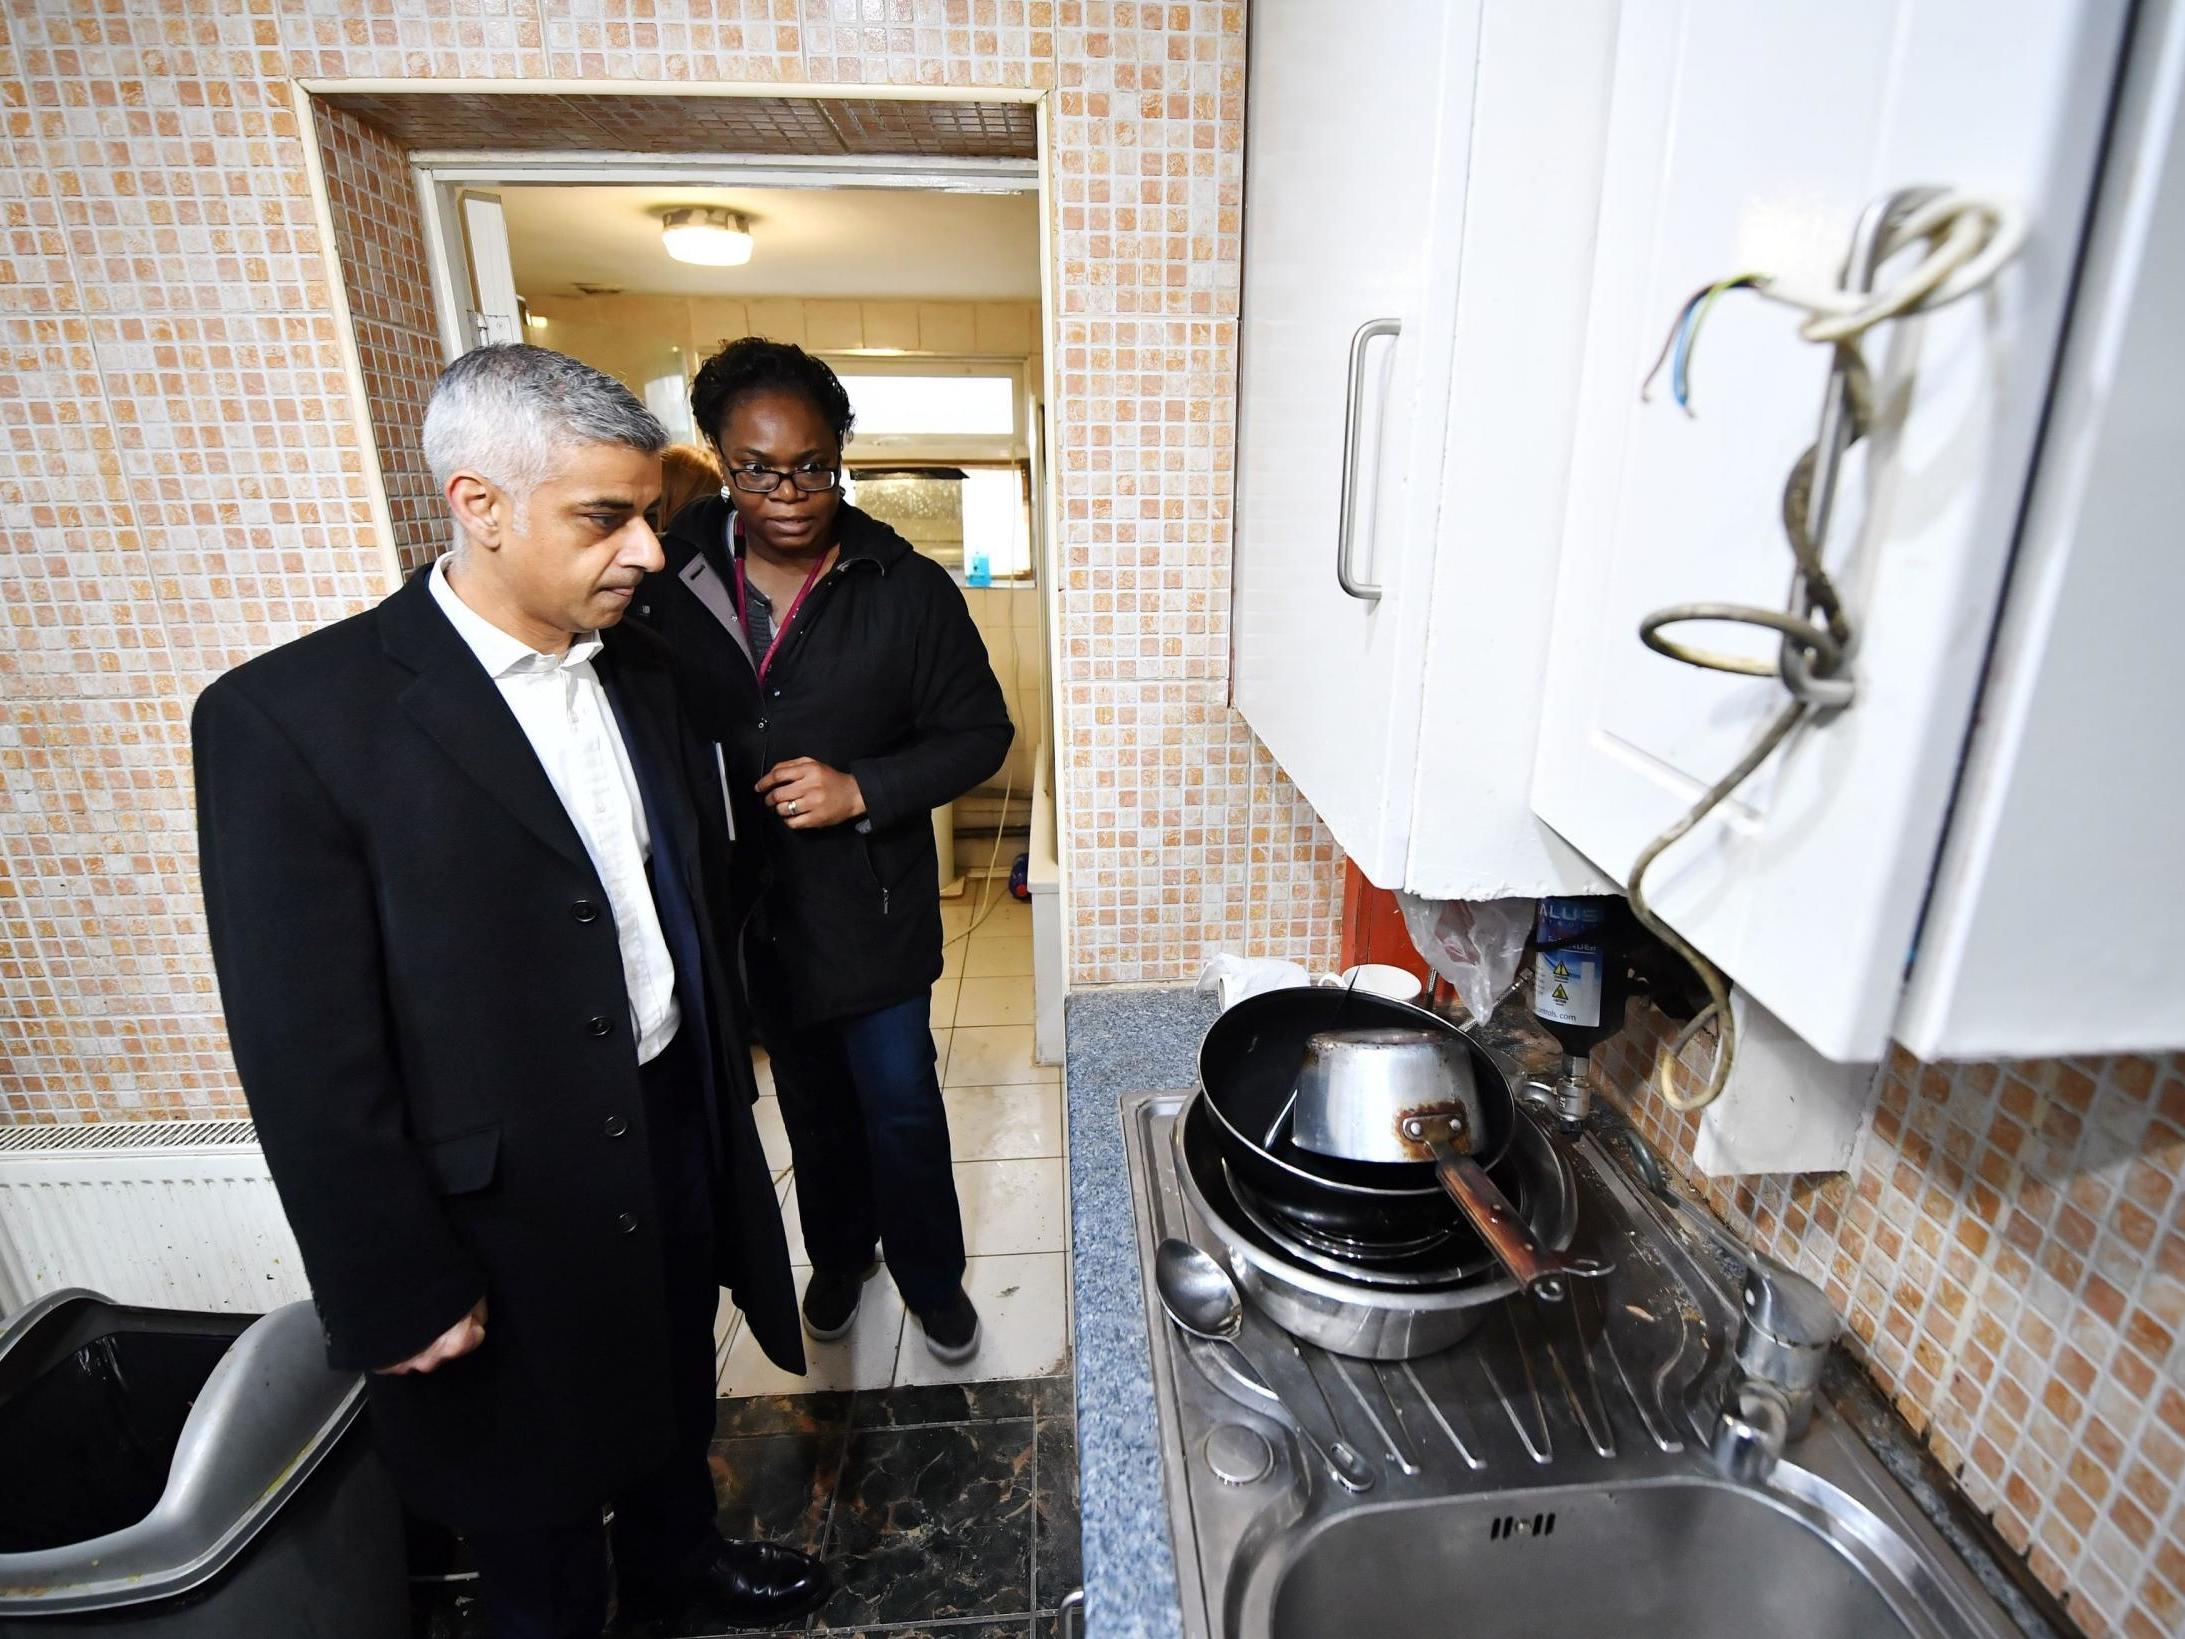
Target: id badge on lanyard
x,y
743,599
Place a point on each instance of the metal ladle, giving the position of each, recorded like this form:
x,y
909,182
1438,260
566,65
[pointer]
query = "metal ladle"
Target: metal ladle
x,y
1201,1298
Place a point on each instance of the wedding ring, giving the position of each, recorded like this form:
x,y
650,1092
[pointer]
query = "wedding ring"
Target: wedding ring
x,y
792,805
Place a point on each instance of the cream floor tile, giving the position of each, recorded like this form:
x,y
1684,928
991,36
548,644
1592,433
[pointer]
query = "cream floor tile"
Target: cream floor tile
x,y
1013,1206
994,1001
763,1068
727,1321
863,1360
944,1003
995,1056
773,1136
1003,1123
998,956
952,957
943,1047
1023,1324
1008,918
956,915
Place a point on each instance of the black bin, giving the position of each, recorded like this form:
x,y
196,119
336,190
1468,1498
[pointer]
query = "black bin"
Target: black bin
x,y
188,1476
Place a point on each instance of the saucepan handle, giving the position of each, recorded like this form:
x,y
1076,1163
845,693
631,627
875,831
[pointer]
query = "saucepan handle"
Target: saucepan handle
x,y
1540,1270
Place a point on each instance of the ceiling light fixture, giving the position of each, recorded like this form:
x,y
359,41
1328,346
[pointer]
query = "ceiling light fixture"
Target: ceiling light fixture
x,y
707,237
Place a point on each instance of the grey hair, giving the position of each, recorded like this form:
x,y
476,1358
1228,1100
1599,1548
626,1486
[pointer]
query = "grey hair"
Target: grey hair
x,y
506,412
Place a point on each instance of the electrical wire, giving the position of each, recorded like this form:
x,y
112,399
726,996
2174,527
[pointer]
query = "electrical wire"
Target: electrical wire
x,y
1683,337
1968,242
986,907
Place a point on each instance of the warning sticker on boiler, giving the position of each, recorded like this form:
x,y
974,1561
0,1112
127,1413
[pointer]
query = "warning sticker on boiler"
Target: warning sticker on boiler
x,y
1567,986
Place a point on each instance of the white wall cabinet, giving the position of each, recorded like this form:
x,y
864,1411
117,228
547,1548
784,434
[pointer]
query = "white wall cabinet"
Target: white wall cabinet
x,y
1741,137
2063,857
1527,194
1421,183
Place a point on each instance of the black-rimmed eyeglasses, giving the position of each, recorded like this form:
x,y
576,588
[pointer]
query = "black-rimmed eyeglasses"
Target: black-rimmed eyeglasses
x,y
766,480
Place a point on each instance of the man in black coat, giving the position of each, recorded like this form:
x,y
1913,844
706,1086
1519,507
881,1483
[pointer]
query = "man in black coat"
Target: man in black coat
x,y
455,851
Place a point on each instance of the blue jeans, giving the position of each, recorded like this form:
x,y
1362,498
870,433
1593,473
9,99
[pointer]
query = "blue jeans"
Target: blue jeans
x,y
869,1135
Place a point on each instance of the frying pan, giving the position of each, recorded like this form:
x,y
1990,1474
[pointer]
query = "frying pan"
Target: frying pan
x,y
1248,1065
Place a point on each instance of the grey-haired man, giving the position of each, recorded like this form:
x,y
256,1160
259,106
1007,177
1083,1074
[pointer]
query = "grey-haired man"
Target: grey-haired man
x,y
455,853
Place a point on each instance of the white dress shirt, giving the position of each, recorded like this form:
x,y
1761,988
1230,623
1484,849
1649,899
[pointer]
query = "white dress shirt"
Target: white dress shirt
x,y
563,711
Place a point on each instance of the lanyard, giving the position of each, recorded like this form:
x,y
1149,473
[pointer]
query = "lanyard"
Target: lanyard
x,y
781,626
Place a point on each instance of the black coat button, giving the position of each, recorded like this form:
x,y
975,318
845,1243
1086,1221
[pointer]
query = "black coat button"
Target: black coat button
x,y
584,911
616,1126
627,1223
599,1025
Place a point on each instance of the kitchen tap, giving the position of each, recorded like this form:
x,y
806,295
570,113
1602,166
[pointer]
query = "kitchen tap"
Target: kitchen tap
x,y
1783,1335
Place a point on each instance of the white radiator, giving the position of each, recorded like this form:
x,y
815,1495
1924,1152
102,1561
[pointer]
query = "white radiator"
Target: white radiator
x,y
168,1214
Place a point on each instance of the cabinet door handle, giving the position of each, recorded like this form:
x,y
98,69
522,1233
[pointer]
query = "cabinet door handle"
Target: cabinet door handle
x,y
1364,590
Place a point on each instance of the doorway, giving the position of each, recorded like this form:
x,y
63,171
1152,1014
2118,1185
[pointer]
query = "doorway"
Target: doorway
x,y
921,287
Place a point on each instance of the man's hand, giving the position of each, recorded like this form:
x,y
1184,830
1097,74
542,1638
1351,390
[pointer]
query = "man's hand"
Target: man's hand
x,y
452,1344
808,795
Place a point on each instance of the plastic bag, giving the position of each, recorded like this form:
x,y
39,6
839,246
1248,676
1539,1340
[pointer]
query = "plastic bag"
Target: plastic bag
x,y
1237,977
1476,944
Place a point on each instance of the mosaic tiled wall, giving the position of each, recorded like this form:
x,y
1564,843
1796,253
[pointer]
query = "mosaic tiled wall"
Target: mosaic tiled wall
x,y
2009,1246
379,243
182,484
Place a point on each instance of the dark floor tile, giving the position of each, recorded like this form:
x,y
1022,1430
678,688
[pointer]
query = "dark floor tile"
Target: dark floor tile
x,y
778,1486
1057,1556
964,1630
932,1524
1054,1396
910,1405
780,1414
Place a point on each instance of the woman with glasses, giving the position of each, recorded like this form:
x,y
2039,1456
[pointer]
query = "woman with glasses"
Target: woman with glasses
x,y
852,696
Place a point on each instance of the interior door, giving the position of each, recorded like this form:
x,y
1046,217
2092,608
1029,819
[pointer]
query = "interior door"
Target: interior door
x,y
1751,137
1357,129
496,313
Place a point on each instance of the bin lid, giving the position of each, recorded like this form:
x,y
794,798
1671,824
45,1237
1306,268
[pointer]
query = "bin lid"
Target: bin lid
x,y
268,1415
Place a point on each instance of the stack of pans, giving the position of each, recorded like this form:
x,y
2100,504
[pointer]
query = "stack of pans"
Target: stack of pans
x,y
1367,1259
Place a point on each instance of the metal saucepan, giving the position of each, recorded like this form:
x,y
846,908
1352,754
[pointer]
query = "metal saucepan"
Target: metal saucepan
x,y
1248,1067
1390,1095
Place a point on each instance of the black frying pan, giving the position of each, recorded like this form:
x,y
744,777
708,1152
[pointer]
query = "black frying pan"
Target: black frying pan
x,y
1248,1066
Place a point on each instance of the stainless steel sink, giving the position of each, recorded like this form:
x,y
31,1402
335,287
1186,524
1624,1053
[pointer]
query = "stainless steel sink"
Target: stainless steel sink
x,y
1549,1475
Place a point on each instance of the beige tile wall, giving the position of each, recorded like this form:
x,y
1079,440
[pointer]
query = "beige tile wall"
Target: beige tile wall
x,y
2009,1245
182,484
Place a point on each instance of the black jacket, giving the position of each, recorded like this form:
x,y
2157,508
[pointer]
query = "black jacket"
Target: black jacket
x,y
428,1012
883,676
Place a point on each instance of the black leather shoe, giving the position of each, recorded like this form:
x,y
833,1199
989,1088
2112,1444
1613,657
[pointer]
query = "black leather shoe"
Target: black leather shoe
x,y
831,1301
743,1585
952,1330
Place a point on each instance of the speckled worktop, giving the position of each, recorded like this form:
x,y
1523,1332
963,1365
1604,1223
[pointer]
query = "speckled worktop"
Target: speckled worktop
x,y
1120,1041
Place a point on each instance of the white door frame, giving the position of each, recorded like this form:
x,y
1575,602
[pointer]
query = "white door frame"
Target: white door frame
x,y
440,175
772,171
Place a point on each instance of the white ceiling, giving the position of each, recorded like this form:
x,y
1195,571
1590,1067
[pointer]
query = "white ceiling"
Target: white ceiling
x,y
807,242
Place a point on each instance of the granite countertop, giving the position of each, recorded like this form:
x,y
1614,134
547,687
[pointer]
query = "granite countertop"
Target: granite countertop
x,y
1120,1041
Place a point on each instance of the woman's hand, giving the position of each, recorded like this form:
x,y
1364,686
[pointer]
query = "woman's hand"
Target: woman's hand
x,y
809,796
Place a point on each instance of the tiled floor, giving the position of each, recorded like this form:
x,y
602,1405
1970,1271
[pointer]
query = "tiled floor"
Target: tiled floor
x,y
944,1510
1005,1128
